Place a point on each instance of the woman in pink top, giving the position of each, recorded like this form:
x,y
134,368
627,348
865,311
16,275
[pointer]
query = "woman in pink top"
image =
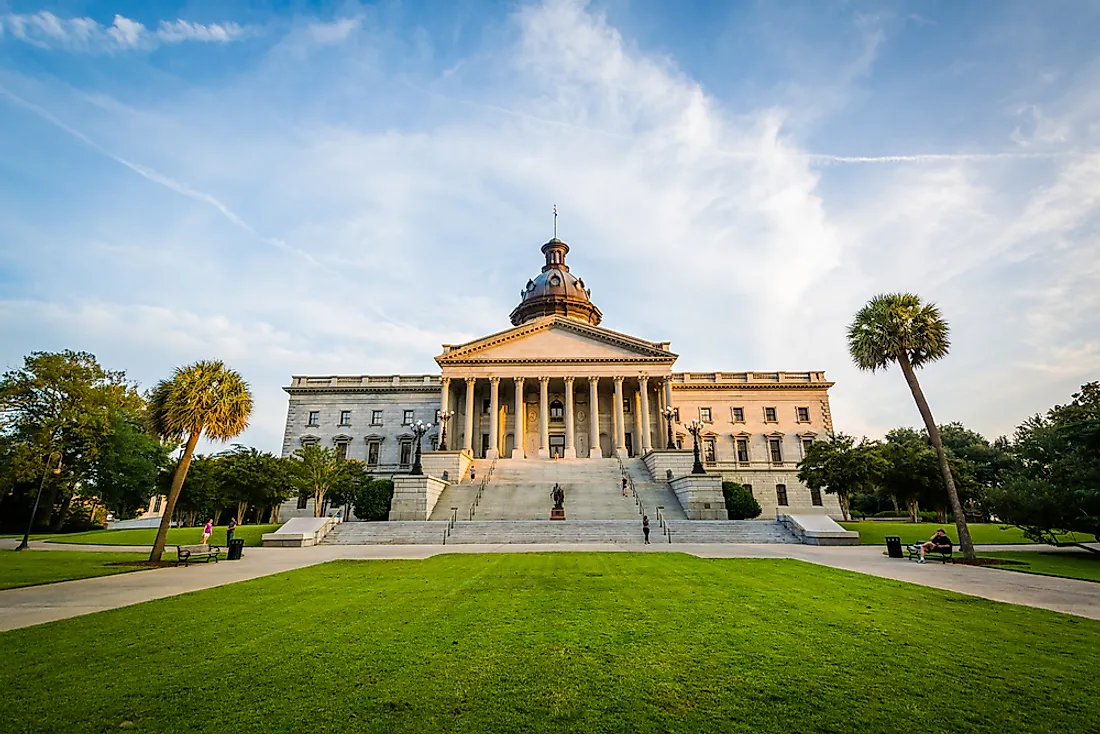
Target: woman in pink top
x,y
207,529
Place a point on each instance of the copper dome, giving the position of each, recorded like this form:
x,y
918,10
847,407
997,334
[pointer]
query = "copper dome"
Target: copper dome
x,y
555,291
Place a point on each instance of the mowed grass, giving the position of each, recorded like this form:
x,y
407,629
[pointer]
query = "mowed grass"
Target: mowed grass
x,y
251,534
558,642
1068,564
33,567
874,533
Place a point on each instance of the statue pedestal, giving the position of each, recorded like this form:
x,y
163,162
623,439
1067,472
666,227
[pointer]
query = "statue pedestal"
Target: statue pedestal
x,y
557,514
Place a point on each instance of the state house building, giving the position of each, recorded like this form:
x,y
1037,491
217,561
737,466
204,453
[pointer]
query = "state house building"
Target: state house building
x,y
557,386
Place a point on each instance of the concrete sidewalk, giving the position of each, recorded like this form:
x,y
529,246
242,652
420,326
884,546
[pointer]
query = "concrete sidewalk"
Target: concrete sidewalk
x,y
38,604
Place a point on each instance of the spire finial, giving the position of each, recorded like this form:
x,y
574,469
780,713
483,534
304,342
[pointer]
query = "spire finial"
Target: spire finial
x,y
555,221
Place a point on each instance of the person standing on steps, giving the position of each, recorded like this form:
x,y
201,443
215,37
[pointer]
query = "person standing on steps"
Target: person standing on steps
x,y
645,528
472,472
625,485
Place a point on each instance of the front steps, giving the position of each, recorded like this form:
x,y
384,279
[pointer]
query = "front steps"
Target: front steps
x,y
563,531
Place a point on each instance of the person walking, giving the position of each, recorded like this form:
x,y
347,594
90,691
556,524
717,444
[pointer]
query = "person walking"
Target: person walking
x,y
206,530
472,473
645,528
229,530
625,485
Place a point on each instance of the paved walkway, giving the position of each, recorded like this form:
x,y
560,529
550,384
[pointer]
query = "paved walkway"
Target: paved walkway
x,y
38,604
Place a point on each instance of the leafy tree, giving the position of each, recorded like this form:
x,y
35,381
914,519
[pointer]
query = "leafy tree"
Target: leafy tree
x,y
839,466
124,474
251,477
897,327
1054,486
373,499
202,398
201,497
317,471
740,504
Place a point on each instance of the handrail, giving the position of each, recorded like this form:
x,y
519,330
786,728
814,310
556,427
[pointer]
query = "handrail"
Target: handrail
x,y
481,488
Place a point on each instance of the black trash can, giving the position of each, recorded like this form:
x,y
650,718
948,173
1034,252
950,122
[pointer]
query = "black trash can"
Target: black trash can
x,y
893,546
235,547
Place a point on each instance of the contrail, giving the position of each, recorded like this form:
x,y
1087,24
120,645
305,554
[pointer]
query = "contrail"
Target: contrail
x,y
930,157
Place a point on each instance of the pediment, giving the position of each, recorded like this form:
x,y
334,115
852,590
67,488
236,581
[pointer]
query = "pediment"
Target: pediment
x,y
553,340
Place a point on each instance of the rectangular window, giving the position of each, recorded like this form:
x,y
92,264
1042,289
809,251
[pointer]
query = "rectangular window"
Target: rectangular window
x,y
676,414
776,450
407,418
748,487
376,417
626,405
438,416
781,495
309,442
342,449
372,453
156,503
709,455
806,442
345,417
743,450
485,405
769,415
803,415
406,453
704,415
738,415
303,500
815,497
679,442
314,418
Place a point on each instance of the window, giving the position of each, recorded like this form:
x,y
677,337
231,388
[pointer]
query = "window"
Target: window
x,y
781,495
738,415
342,449
708,450
776,450
309,441
345,417
748,487
485,405
314,418
438,416
769,415
743,450
557,412
803,414
156,503
303,500
806,443
406,452
704,415
679,442
676,414
407,418
372,452
815,497
376,417
434,440
626,405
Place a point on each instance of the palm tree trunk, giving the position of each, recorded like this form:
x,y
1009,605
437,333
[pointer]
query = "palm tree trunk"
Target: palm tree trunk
x,y
965,544
173,494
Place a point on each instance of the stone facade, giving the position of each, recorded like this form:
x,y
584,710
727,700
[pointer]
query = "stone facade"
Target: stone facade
x,y
559,385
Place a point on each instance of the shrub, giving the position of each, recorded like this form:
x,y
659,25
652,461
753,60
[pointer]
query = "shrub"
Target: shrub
x,y
740,504
372,500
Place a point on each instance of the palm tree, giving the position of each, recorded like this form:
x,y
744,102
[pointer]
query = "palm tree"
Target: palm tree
x,y
897,327
205,397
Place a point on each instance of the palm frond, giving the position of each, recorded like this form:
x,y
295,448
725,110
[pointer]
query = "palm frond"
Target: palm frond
x,y
897,323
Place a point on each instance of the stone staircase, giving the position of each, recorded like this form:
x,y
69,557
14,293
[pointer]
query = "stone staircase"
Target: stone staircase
x,y
567,531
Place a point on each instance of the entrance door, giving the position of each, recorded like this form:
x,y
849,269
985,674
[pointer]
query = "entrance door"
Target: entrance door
x,y
605,445
484,445
557,447
629,444
509,444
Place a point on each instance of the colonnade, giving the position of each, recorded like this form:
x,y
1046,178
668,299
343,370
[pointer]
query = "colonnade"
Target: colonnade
x,y
639,388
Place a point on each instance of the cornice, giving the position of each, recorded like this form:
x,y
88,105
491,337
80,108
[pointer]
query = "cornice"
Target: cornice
x,y
753,386
313,389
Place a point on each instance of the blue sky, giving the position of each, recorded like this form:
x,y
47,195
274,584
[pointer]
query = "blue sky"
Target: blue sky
x,y
340,188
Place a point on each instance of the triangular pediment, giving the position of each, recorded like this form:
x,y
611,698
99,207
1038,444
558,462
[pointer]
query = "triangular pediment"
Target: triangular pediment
x,y
553,340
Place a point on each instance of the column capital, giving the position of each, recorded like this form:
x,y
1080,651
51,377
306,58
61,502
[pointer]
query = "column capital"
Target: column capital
x,y
618,380
569,380
544,380
518,379
494,380
643,380
445,380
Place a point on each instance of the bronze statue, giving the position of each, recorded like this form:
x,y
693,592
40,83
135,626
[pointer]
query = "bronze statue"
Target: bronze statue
x,y
558,495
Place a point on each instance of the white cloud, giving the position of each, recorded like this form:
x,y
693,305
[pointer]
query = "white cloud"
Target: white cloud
x,y
46,30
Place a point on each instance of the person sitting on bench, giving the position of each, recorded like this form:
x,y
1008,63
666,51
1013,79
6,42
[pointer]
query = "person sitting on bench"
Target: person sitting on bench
x,y
939,542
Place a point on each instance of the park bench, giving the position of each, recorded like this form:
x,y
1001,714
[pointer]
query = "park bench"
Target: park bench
x,y
188,553
944,553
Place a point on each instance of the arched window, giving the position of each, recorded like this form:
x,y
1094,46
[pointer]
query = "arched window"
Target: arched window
x,y
557,411
781,495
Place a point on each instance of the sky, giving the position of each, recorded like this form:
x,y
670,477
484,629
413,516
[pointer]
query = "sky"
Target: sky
x,y
299,188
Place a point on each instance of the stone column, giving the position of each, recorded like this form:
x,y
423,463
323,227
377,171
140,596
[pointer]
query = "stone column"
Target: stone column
x,y
468,439
544,417
643,391
668,392
444,402
620,423
570,446
494,419
521,421
594,450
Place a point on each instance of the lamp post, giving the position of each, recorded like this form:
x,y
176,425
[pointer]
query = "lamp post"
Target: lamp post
x,y
419,429
695,427
443,418
669,414
30,523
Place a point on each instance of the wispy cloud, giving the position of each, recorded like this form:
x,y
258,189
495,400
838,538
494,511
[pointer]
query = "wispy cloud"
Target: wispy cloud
x,y
48,31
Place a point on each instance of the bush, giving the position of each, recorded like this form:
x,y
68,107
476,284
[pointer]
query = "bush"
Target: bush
x,y
740,504
372,500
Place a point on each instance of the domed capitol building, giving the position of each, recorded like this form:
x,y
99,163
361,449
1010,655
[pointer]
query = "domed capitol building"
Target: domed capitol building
x,y
557,398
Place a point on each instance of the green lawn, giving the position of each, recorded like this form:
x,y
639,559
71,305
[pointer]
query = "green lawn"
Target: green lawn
x,y
176,536
1070,564
31,567
874,533
579,642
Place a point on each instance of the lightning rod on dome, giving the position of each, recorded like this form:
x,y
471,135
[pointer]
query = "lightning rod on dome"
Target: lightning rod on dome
x,y
555,221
